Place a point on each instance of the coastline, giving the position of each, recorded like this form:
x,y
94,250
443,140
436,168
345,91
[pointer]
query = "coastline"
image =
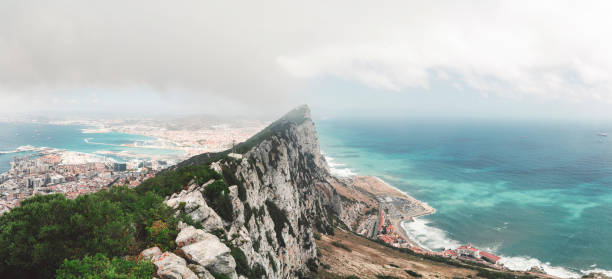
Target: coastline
x,y
397,222
548,270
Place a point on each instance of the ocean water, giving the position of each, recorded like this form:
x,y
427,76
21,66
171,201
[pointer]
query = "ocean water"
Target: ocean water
x,y
71,137
535,193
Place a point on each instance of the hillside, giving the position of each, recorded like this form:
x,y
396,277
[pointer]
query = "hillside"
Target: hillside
x,y
269,208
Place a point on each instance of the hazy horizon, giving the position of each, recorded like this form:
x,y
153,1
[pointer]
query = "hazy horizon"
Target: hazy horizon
x,y
480,59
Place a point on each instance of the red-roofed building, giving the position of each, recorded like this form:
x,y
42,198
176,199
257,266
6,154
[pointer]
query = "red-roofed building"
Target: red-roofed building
x,y
489,257
386,238
450,253
468,250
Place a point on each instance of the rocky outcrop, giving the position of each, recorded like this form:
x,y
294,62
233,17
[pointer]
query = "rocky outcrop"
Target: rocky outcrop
x,y
206,250
279,191
195,206
150,253
171,266
286,193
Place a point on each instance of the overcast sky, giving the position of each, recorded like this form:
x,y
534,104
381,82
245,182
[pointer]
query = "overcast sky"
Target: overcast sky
x,y
423,58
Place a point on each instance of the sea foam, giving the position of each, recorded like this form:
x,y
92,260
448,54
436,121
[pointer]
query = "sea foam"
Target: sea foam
x,y
429,237
435,239
338,169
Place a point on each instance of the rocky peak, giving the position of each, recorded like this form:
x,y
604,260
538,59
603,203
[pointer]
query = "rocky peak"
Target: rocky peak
x,y
279,191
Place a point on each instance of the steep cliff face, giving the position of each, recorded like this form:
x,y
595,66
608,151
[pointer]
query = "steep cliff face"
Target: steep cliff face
x,y
279,190
284,178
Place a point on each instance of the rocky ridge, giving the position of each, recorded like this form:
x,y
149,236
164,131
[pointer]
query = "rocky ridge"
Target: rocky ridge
x,y
279,191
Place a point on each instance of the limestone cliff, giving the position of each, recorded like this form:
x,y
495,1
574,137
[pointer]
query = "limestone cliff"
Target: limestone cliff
x,y
280,191
284,178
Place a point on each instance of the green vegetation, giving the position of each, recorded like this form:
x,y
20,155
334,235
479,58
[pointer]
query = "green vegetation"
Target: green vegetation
x,y
312,265
413,273
101,267
172,181
219,275
317,236
218,194
341,245
294,117
279,217
485,273
272,262
247,213
242,265
381,276
39,235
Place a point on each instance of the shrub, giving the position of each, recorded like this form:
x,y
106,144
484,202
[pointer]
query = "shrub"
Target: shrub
x,y
247,213
37,236
317,236
218,194
272,262
172,181
413,273
279,217
242,265
219,275
100,266
341,245
312,265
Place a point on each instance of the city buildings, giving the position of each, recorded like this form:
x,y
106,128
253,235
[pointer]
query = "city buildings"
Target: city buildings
x,y
44,173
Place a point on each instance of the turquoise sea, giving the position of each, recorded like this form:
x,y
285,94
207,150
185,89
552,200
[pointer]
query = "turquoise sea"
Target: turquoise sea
x,y
535,193
70,137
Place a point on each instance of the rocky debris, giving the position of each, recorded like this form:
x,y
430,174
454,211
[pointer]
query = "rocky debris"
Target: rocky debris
x,y
206,250
171,266
150,253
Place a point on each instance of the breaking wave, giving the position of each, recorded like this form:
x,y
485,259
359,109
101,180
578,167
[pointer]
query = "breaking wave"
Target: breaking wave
x,y
429,237
435,239
338,169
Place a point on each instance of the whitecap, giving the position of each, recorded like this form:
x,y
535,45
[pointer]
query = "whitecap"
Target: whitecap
x,y
427,236
598,270
338,169
526,263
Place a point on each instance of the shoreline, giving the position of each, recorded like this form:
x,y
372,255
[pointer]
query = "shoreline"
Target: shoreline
x,y
547,269
397,222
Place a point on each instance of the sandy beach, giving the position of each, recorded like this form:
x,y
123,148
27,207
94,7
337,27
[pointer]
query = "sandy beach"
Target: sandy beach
x,y
401,206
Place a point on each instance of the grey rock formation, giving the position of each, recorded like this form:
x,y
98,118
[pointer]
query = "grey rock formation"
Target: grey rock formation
x,y
206,250
196,207
200,271
283,172
148,254
282,192
190,235
171,266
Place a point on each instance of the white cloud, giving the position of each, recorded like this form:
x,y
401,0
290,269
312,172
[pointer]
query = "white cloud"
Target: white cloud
x,y
255,53
556,49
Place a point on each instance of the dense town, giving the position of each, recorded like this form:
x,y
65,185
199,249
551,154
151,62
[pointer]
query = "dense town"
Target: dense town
x,y
69,173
